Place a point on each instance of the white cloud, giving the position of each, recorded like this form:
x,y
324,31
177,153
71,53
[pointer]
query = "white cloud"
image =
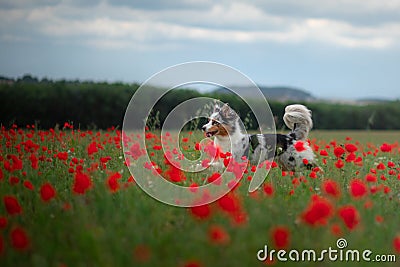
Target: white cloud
x,y
232,22
344,34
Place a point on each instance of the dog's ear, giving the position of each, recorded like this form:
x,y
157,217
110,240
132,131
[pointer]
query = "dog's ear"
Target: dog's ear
x,y
227,112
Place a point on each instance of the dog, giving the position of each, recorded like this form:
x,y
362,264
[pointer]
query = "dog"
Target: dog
x,y
291,151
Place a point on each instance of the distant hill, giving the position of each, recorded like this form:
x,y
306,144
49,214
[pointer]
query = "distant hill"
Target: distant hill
x,y
278,93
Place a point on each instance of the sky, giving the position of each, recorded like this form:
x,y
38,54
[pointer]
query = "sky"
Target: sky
x,y
344,49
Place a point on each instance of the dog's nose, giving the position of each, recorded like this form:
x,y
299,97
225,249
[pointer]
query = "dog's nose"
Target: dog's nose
x,y
203,128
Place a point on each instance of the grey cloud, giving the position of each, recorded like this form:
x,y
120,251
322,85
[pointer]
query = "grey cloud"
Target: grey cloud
x,y
26,4
356,12
160,4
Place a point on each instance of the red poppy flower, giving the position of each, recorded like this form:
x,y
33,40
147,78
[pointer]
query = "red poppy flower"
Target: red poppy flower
x,y
193,187
323,153
30,146
299,146
331,188
386,147
82,183
105,159
253,168
227,161
67,125
3,222
201,212
218,235
381,166
386,189
268,189
112,182
15,164
351,157
175,174
75,160
215,178
12,205
135,151
13,180
229,203
349,216
280,237
28,185
338,151
318,211
92,148
34,161
63,155
211,150
379,219
205,163
336,230
371,178
373,188
237,168
339,164
358,188
47,192
350,148
313,174
396,244
19,239
239,218
157,147
197,146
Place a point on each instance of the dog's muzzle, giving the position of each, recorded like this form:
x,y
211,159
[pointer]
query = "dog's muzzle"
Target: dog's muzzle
x,y
208,134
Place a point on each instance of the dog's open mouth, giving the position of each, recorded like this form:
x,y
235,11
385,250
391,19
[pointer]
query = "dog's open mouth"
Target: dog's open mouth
x,y
210,134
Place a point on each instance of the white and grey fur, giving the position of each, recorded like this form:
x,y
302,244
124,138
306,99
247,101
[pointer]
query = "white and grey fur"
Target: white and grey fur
x,y
225,125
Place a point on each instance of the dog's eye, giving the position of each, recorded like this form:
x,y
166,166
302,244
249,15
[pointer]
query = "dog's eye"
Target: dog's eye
x,y
215,123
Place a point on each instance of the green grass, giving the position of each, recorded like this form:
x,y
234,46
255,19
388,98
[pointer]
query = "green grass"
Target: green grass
x,y
129,228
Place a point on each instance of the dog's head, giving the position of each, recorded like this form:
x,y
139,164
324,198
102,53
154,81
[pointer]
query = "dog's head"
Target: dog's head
x,y
221,122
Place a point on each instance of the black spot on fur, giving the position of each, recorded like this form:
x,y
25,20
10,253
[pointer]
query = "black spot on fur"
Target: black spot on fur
x,y
309,166
283,141
293,134
253,141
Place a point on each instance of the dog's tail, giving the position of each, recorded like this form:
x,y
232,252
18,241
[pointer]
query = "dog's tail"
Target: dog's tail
x,y
298,118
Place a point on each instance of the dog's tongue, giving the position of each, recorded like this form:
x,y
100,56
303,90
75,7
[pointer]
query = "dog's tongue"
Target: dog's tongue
x,y
208,134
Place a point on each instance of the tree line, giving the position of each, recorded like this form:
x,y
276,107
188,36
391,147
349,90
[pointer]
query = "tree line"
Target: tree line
x,y
102,105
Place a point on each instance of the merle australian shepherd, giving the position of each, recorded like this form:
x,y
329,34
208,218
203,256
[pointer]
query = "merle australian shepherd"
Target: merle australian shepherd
x,y
291,151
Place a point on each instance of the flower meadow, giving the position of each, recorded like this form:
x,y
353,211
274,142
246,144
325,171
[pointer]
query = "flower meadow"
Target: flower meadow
x,y
68,199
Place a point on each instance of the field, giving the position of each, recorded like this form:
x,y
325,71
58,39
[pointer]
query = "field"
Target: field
x,y
68,199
